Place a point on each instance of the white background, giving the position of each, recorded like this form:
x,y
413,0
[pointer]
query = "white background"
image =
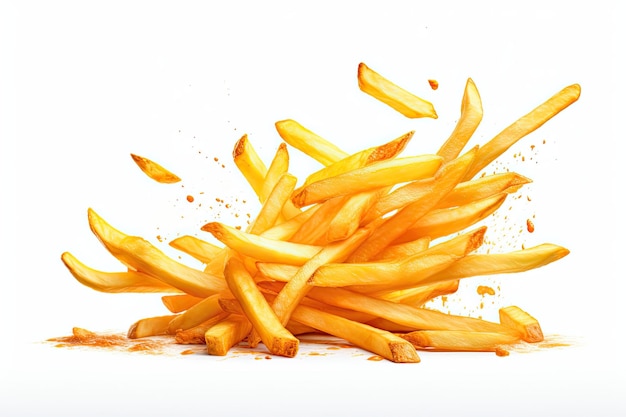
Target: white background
x,y
84,84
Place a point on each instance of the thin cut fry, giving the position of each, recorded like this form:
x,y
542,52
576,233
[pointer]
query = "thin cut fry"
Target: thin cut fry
x,y
308,142
459,340
399,99
250,164
483,187
151,326
273,206
196,315
198,248
154,170
179,302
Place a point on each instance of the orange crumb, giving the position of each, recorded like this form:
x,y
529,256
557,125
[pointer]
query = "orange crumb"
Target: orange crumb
x,y
434,84
190,198
530,226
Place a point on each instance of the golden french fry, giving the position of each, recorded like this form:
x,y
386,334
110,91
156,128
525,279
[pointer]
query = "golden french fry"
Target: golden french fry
x,y
196,315
399,99
250,164
393,227
278,167
516,318
261,248
151,326
360,159
154,170
113,282
348,218
471,115
308,142
444,222
380,342
500,263
522,127
418,296
483,187
403,250
222,336
376,175
198,248
197,335
274,335
459,340
313,231
287,229
179,302
273,206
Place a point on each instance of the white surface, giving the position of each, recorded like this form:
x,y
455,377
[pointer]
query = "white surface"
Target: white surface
x,y
86,85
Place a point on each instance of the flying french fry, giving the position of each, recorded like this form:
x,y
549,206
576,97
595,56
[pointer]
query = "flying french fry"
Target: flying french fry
x,y
250,164
308,142
396,97
198,248
516,318
154,170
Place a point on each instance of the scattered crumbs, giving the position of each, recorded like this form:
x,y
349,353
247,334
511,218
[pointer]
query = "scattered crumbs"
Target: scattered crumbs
x,y
484,289
159,238
268,357
434,84
375,358
501,352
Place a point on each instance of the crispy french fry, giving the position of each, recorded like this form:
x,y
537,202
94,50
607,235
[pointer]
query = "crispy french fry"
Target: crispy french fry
x,y
399,99
196,334
278,167
179,302
459,340
393,227
522,127
313,231
154,170
250,164
443,222
516,318
403,250
113,282
222,336
287,229
151,326
274,335
261,248
376,175
308,142
471,115
500,263
196,315
483,187
348,218
418,296
380,342
198,248
273,206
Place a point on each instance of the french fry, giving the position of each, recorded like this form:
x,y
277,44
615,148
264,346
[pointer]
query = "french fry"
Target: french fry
x,y
348,218
113,282
196,315
222,336
522,127
278,167
273,206
197,248
376,175
483,187
471,116
287,229
261,248
151,326
459,340
250,164
154,170
516,318
399,99
314,230
418,296
197,334
274,335
308,142
403,250
443,222
179,302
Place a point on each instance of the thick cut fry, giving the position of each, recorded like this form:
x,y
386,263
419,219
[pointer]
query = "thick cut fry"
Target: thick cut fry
x,y
198,248
522,127
348,218
273,206
308,142
471,115
380,342
179,302
459,340
376,175
274,335
196,315
443,222
196,335
113,282
226,334
250,164
483,187
445,180
360,159
140,255
399,99
261,248
287,229
412,317
151,326
500,263
278,167
313,231
155,171
516,318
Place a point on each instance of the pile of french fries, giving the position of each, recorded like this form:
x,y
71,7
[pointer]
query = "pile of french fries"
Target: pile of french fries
x,y
355,250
